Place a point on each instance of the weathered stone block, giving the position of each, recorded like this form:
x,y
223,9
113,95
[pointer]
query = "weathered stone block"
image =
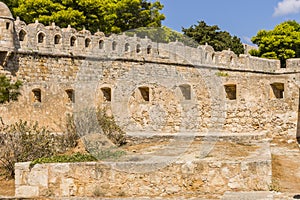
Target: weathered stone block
x,y
27,191
38,176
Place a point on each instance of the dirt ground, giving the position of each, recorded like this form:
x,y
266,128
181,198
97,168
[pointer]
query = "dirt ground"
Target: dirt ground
x,y
285,165
7,186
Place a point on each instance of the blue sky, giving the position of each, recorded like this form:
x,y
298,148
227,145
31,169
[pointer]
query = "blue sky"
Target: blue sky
x,y
243,18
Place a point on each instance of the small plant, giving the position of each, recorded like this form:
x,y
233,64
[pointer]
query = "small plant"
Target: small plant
x,y
110,128
222,74
77,157
274,186
71,133
97,192
108,154
9,91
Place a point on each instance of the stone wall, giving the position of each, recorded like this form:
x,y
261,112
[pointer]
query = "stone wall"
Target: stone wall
x,y
257,107
178,97
147,86
192,178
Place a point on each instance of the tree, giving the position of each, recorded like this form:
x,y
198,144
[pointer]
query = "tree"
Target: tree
x,y
219,40
162,35
283,42
9,91
109,16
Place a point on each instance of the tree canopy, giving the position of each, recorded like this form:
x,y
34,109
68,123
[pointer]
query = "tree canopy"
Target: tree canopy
x,y
9,91
162,35
109,16
283,42
212,35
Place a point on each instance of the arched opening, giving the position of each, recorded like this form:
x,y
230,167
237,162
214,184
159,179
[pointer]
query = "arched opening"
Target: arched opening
x,y
138,48
73,41
114,45
127,47
101,44
87,42
231,59
22,35
57,39
41,38
149,49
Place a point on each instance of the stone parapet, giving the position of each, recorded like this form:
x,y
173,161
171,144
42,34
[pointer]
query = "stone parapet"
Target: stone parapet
x,y
190,178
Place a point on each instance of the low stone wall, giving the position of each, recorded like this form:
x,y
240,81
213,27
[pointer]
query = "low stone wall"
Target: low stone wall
x,y
107,179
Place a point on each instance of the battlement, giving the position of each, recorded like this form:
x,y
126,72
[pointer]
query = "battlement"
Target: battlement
x,y
53,40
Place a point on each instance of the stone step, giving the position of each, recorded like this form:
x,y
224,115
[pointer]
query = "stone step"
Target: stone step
x,y
264,195
133,137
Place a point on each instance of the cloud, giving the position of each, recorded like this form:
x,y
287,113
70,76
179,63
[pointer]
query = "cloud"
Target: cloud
x,y
286,7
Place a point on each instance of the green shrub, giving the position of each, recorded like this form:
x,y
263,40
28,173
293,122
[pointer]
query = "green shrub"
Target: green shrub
x,y
77,157
222,74
110,128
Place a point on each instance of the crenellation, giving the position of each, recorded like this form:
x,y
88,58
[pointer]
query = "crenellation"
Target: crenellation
x,y
68,41
52,39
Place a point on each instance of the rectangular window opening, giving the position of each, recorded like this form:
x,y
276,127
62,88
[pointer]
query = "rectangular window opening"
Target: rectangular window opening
x,y
71,96
277,90
145,93
106,94
37,95
230,91
186,91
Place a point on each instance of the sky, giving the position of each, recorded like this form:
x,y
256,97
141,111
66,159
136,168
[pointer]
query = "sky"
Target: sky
x,y
242,18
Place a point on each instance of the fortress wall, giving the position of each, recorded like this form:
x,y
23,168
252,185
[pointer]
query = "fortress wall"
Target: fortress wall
x,y
148,86
180,98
